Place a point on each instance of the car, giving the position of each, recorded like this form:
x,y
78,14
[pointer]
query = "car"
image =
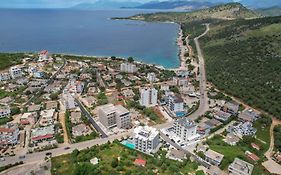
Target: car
x,y
66,148
22,157
48,154
2,159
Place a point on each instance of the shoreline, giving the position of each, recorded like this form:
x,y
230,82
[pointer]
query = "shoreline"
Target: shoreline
x,y
182,49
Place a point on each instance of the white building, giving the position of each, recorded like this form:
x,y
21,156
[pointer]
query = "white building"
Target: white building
x,y
185,129
114,116
151,77
9,135
5,111
240,167
175,103
146,139
165,86
42,133
5,76
68,101
15,72
180,81
43,55
47,117
148,97
128,68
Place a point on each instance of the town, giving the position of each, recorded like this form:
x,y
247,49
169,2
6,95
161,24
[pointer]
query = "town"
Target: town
x,y
51,102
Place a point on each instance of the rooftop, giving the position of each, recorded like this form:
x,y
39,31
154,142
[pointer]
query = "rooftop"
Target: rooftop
x,y
242,166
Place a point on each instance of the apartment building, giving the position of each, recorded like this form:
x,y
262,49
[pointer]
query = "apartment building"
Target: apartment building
x,y
148,97
185,129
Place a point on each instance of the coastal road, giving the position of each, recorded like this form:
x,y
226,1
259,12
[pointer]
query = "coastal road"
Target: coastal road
x,y
203,106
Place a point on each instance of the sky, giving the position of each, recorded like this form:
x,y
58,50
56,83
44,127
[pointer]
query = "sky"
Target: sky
x,y
48,3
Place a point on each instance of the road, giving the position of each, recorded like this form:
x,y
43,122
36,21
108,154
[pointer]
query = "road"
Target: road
x,y
51,79
203,106
90,119
38,156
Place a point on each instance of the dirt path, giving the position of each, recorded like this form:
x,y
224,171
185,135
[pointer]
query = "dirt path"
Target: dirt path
x,y
62,121
271,165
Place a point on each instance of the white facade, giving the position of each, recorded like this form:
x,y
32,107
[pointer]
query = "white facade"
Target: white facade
x,y
148,97
151,77
240,167
185,129
9,135
146,139
175,103
5,112
128,68
180,81
68,101
15,72
5,76
114,116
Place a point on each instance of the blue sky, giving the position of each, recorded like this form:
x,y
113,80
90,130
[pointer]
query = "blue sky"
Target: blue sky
x,y
48,3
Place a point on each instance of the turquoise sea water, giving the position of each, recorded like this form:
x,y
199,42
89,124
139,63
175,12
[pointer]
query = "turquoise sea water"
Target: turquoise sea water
x,y
88,33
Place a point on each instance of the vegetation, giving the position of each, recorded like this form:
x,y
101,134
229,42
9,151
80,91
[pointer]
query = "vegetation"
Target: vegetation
x,y
5,120
242,59
116,159
272,11
277,137
3,168
10,59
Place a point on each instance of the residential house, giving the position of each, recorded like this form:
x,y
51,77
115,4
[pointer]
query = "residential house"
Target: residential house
x,y
240,167
9,135
213,157
28,118
5,111
80,130
42,133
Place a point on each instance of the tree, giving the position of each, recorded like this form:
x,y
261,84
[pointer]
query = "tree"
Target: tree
x,y
114,163
131,59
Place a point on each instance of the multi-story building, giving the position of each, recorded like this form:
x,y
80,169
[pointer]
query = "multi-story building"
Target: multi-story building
x,y
9,135
146,139
151,77
42,133
180,81
148,97
43,55
15,72
185,129
114,116
5,111
47,117
68,100
5,76
213,157
240,167
128,68
175,103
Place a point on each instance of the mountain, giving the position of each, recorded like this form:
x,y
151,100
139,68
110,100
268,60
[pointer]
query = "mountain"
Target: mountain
x,y
106,4
186,5
272,11
261,3
222,12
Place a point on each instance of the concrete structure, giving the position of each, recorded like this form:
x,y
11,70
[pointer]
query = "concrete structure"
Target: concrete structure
x,y
9,135
180,81
185,129
148,97
15,72
213,157
151,77
5,111
175,103
146,139
5,76
43,55
114,116
42,133
240,167
68,101
47,117
128,68
28,118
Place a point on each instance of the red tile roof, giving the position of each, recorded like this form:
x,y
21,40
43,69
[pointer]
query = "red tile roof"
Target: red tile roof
x,y
140,162
43,137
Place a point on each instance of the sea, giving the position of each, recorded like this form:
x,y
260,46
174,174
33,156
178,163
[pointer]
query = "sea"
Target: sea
x,y
89,32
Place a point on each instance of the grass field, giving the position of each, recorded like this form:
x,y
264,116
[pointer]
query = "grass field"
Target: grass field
x,y
116,159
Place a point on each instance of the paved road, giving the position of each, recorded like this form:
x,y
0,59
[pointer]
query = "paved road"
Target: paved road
x,y
90,118
51,79
203,106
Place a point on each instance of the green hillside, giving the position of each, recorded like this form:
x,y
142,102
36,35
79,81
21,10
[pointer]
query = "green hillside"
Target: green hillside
x,y
9,59
243,58
272,11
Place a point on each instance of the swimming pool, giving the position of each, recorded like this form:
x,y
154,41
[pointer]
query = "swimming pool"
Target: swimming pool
x,y
180,114
128,144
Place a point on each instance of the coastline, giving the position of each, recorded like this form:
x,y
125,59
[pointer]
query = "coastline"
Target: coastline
x,y
182,49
